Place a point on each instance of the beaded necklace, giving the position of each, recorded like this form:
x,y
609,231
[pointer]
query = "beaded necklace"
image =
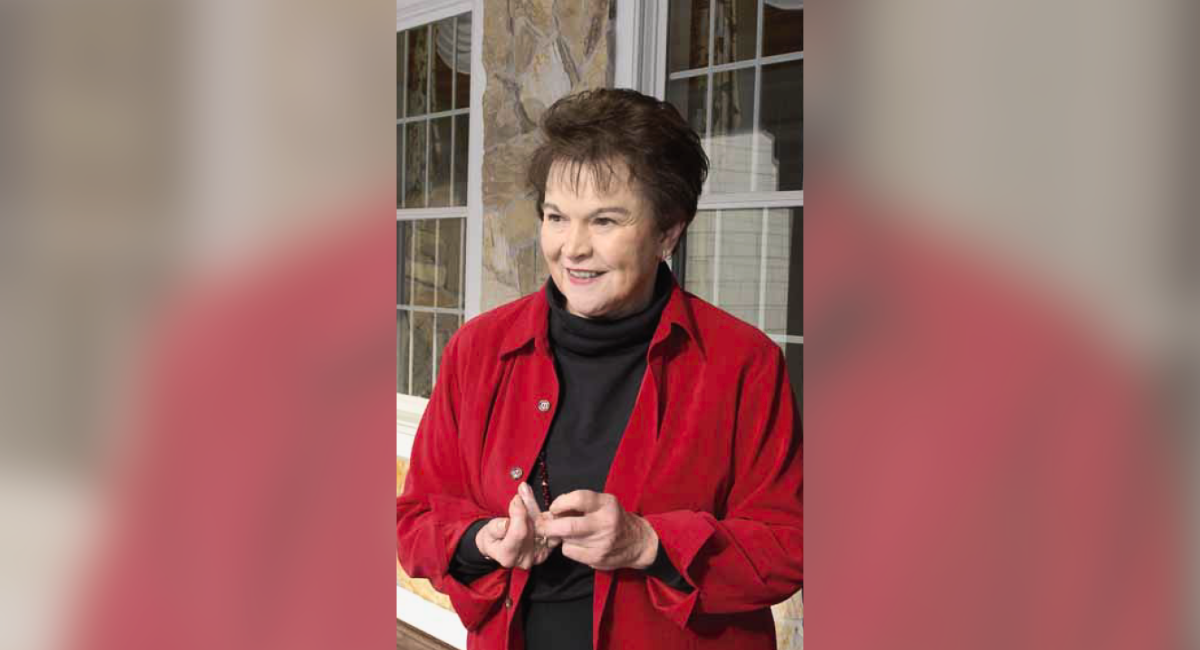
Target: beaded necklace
x,y
545,476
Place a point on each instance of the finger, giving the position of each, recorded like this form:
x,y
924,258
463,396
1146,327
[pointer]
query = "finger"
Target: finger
x,y
539,529
580,554
491,533
583,501
496,528
540,521
567,527
518,523
531,504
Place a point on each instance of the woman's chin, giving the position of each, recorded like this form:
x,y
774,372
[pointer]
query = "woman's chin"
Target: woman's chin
x,y
584,311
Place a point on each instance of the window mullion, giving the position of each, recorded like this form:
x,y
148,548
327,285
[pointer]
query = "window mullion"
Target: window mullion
x,y
755,132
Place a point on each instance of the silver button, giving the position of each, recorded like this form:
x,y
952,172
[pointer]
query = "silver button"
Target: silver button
x,y
544,405
508,602
515,472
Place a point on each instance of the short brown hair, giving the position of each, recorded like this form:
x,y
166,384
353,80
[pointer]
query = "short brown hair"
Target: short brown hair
x,y
597,129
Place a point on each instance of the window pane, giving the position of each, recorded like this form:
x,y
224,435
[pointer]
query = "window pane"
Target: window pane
x,y
698,263
439,162
414,165
418,71
688,97
687,35
739,262
400,166
462,62
403,248
462,138
783,126
779,270
732,141
795,367
445,325
402,324
400,74
736,31
450,263
443,65
783,27
422,354
422,268
795,318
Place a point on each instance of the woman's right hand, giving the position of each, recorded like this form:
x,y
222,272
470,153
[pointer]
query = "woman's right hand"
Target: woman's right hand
x,y
513,541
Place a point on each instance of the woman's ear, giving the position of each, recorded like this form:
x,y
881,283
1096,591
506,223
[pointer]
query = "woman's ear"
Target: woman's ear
x,y
670,238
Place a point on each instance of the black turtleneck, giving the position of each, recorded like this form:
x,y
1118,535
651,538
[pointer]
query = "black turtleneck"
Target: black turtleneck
x,y
600,365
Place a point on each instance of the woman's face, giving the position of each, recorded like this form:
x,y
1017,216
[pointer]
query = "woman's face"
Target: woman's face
x,y
602,248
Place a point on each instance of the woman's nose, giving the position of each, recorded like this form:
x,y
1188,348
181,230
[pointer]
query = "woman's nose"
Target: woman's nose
x,y
577,243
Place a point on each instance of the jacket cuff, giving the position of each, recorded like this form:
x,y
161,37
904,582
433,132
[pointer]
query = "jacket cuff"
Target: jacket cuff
x,y
666,572
681,535
474,602
468,562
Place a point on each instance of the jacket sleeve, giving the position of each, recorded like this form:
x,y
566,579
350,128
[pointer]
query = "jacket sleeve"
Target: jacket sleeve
x,y
435,509
751,557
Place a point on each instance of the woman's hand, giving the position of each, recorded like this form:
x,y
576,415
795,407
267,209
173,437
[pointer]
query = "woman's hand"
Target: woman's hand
x,y
595,530
514,542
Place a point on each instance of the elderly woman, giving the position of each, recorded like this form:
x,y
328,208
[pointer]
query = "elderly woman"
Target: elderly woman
x,y
610,462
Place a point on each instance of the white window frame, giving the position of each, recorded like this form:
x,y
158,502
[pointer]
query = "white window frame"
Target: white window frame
x,y
410,608
410,14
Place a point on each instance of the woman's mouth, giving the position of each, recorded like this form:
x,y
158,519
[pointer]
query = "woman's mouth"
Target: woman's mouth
x,y
579,276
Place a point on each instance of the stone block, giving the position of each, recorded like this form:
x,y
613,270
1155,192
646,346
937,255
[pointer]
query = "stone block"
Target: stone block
x,y
543,82
537,12
582,26
497,37
597,72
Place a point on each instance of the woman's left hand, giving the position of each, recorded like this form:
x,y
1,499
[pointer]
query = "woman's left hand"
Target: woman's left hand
x,y
595,530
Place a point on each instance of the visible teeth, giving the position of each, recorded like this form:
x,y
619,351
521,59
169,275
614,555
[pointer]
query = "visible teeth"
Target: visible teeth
x,y
583,275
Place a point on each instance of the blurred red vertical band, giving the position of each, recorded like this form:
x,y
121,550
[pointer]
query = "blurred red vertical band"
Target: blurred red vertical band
x,y
254,513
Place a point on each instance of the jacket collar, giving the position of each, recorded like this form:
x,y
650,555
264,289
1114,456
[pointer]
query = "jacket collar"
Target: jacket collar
x,y
532,323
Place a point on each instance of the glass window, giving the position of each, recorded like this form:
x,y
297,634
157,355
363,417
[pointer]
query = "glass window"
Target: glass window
x,y
783,27
432,111
745,261
432,135
743,93
429,297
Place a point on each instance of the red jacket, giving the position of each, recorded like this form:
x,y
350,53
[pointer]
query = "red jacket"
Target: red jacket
x,y
711,458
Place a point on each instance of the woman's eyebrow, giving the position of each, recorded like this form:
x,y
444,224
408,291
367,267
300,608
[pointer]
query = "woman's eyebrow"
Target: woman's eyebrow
x,y
611,208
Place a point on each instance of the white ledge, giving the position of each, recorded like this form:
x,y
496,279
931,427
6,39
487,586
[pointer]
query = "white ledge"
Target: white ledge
x,y
430,619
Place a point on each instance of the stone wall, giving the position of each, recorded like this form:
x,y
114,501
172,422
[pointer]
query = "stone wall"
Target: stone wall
x,y
534,51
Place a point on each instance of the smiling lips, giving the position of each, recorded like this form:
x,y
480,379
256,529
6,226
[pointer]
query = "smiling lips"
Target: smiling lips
x,y
583,277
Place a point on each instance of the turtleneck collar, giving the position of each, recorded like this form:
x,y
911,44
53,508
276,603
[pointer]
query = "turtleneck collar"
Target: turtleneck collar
x,y
594,337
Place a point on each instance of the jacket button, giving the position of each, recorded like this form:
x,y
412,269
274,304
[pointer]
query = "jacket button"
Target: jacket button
x,y
515,472
544,405
508,602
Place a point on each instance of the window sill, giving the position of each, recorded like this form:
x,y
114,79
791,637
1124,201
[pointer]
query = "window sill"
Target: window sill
x,y
409,410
